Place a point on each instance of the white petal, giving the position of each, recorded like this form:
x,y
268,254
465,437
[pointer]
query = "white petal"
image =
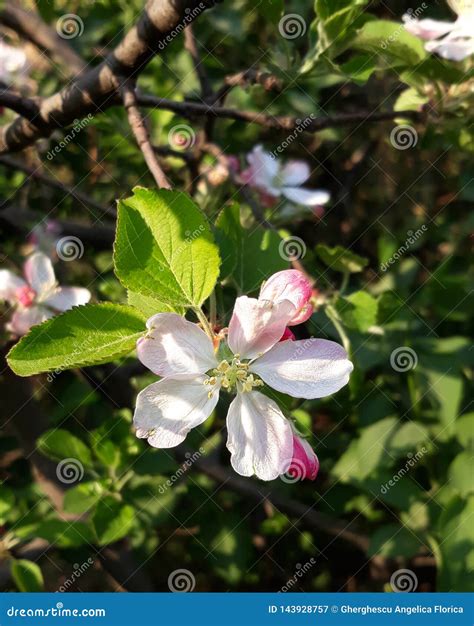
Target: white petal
x,y
39,273
9,283
175,346
428,28
260,438
65,298
256,325
452,50
295,173
310,368
264,169
167,410
23,319
307,197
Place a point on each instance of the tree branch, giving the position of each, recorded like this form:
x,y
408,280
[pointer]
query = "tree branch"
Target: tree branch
x,y
141,134
96,89
276,122
26,107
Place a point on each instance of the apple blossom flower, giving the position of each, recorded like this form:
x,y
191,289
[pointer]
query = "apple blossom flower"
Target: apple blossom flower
x,y
13,64
37,297
274,180
305,463
260,438
290,285
44,237
288,335
451,40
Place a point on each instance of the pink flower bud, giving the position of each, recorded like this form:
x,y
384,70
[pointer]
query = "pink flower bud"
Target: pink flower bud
x,y
288,335
305,463
290,285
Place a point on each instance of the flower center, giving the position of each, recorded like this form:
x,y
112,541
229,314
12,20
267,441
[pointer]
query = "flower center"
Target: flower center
x,y
26,295
233,374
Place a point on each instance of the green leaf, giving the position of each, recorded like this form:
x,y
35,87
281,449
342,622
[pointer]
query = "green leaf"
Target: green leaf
x,y
454,553
410,436
251,255
149,306
85,335
464,430
164,248
461,473
359,310
341,260
27,575
7,501
107,452
393,541
65,534
360,68
60,444
112,520
391,40
365,454
81,498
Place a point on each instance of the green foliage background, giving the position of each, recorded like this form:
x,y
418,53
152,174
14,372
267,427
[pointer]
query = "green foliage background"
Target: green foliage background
x,y
396,447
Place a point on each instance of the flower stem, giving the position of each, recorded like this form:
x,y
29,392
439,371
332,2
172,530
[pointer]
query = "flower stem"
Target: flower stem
x,y
213,309
205,324
331,313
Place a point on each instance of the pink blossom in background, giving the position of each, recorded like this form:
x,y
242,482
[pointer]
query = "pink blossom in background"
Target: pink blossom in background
x,y
37,297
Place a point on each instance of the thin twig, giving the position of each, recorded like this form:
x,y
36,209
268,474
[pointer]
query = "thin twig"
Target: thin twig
x,y
141,134
191,46
287,123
